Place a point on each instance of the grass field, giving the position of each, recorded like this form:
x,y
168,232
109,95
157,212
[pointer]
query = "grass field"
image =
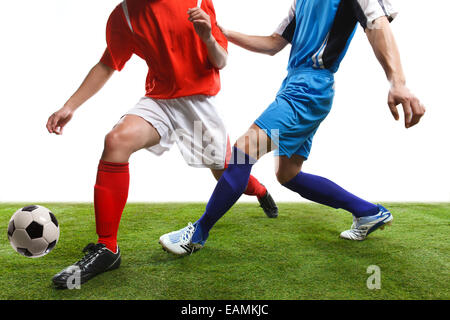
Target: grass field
x,y
248,256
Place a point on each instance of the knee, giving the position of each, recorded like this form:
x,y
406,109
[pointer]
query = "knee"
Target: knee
x,y
288,168
117,140
284,176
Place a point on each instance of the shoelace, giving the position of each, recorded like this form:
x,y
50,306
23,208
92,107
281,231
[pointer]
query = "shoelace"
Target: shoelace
x,y
188,232
186,237
90,247
357,230
90,250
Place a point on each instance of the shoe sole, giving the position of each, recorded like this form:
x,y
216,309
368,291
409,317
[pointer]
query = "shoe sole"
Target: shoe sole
x,y
387,224
185,253
271,215
164,247
382,227
168,251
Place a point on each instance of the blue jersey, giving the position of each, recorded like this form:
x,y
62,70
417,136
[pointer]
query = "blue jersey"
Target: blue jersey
x,y
320,31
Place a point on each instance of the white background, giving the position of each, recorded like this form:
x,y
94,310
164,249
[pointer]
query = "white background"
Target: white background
x,y
47,48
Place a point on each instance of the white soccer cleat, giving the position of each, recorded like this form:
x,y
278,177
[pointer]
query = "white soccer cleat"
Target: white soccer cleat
x,y
180,242
364,226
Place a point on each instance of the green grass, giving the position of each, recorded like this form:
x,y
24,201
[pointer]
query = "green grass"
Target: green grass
x,y
248,256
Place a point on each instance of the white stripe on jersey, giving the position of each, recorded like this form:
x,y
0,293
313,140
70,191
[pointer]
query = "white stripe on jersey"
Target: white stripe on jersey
x,y
199,3
319,54
127,15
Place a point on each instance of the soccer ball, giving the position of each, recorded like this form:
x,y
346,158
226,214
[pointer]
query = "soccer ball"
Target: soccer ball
x,y
33,231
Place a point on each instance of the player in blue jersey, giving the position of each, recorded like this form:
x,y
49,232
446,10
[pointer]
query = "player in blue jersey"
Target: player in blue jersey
x,y
320,33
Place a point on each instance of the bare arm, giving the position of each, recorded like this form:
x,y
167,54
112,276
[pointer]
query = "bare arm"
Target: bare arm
x,y
385,48
93,82
217,55
270,45
202,24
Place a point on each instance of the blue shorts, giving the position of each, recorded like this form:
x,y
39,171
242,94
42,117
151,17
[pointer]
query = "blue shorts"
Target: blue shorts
x,y
303,102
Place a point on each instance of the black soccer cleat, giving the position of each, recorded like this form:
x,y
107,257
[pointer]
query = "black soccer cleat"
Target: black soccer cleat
x,y
268,205
98,259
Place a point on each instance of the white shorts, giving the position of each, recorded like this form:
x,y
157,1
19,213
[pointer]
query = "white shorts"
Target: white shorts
x,y
193,123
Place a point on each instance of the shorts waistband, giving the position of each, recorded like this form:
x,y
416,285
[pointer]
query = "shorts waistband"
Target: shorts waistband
x,y
310,70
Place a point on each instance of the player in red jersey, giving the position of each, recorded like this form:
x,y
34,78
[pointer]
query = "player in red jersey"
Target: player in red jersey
x,y
184,49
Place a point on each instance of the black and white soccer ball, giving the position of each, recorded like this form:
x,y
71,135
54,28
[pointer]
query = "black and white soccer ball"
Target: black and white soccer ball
x,y
33,231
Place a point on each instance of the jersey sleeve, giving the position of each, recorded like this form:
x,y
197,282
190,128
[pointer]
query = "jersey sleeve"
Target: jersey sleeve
x,y
215,30
119,40
367,11
286,29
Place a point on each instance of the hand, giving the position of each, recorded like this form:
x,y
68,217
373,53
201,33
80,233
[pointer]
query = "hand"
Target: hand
x,y
57,121
412,107
202,23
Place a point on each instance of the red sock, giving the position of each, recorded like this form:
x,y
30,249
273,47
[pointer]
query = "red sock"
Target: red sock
x,y
110,197
255,188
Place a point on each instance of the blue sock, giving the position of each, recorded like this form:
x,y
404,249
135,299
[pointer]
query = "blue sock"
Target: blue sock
x,y
228,190
326,192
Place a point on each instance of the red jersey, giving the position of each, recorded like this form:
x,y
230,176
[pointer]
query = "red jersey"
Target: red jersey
x,y
159,32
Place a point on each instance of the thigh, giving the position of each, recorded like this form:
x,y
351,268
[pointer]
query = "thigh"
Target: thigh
x,y
217,173
305,148
156,113
301,105
255,142
134,133
288,124
199,131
